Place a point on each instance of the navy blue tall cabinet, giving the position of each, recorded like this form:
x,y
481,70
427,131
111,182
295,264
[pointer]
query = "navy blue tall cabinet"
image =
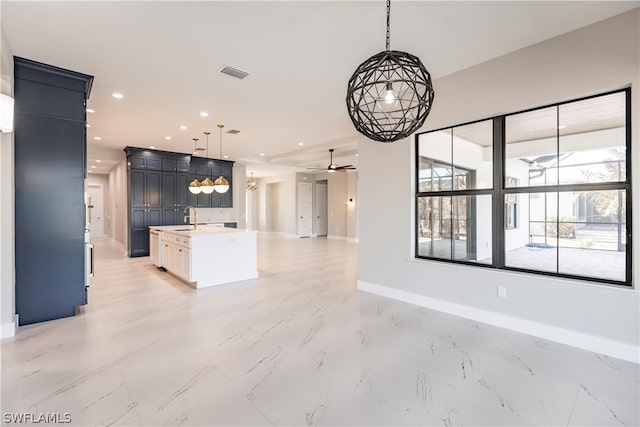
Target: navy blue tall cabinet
x,y
50,168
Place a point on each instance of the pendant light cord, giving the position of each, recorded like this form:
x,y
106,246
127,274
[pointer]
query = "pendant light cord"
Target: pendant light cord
x,y
220,127
388,31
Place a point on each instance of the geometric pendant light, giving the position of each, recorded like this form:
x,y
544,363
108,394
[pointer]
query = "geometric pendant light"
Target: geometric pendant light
x,y
389,96
221,185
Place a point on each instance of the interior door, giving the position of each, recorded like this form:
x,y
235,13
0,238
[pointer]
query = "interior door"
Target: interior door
x,y
305,209
321,209
96,210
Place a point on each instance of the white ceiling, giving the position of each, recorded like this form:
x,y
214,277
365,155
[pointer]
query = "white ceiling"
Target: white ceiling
x,y
164,58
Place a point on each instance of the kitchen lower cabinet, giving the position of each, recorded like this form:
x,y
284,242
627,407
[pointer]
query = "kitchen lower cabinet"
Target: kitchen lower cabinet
x,y
140,220
176,255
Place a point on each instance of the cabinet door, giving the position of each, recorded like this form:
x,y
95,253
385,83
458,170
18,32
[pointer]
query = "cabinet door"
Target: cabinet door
x,y
154,217
204,200
154,189
166,257
168,189
169,216
182,189
154,162
139,245
182,164
137,162
204,169
137,180
169,165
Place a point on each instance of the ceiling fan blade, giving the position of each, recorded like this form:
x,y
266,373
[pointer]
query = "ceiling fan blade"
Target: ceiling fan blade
x,y
350,167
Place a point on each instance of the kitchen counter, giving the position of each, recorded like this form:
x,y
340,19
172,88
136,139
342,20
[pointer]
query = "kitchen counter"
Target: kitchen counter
x,y
211,255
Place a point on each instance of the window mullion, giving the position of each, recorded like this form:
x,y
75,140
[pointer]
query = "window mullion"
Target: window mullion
x,y
498,192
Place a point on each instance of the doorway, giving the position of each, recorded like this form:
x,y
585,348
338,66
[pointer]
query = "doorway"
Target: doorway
x,y
305,209
95,219
321,224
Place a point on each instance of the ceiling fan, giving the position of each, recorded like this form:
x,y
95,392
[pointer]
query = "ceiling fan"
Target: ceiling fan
x,y
332,166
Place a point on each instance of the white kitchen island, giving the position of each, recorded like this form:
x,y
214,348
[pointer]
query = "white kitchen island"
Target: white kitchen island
x,y
208,256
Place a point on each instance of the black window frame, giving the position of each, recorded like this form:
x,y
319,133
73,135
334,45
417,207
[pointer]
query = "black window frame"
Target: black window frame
x,y
500,190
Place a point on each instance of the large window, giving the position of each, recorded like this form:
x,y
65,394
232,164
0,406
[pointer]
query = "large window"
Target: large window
x,y
545,190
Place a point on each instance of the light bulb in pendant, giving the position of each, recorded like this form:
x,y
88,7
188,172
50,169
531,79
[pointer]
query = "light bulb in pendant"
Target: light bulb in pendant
x,y
390,95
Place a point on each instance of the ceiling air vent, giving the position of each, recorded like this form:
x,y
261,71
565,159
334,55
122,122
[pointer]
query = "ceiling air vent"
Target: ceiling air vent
x,y
233,131
233,72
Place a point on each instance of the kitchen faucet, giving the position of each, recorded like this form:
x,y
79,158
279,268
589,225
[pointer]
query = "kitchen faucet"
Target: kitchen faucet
x,y
195,216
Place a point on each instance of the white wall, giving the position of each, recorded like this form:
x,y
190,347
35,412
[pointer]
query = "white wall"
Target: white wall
x,y
118,202
352,207
592,60
7,252
286,208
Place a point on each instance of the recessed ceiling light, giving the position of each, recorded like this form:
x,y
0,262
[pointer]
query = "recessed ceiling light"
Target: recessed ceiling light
x,y
97,138
90,110
168,138
93,167
183,127
152,147
88,125
301,143
90,171
562,126
117,95
225,156
204,114
262,154
195,153
98,161
357,155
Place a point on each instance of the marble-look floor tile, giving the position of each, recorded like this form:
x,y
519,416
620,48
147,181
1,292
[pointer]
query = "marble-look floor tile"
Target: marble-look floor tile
x,y
298,346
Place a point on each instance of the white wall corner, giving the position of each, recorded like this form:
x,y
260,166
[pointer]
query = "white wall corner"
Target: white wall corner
x,y
580,340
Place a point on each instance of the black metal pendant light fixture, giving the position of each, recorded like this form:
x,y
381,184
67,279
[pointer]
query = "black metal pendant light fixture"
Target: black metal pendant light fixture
x,y
389,96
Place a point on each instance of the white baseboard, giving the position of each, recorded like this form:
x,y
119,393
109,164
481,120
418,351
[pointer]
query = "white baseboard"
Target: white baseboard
x,y
8,329
581,340
352,239
329,236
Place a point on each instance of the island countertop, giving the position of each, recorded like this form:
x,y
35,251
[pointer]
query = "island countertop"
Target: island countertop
x,y
188,230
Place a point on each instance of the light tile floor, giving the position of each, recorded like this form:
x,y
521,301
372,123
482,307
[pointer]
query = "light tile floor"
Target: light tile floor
x,y
298,346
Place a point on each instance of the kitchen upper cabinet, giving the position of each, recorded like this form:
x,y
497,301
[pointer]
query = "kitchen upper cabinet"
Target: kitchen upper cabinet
x,y
174,189
145,188
145,159
50,168
176,164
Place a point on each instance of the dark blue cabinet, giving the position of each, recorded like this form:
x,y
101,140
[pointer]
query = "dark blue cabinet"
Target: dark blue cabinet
x,y
50,167
145,159
159,190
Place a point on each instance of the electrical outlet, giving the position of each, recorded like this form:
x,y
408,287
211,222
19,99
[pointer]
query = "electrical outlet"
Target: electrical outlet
x,y
502,292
